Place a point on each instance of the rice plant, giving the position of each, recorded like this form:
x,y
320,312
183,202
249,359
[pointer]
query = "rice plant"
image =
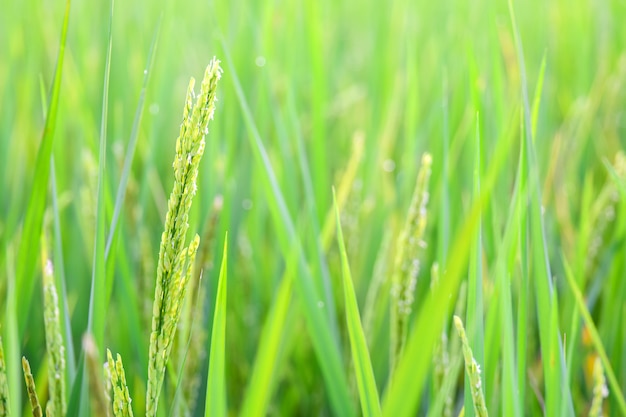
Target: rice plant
x,y
176,258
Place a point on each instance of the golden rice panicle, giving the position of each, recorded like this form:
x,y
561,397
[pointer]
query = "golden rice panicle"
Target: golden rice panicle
x,y
4,386
407,263
32,390
473,371
175,260
600,390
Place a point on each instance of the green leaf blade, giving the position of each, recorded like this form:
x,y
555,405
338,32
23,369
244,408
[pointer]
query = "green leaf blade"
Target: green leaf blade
x,y
216,383
370,403
33,222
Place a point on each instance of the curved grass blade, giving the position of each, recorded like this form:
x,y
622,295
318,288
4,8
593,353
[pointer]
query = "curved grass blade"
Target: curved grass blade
x,y
474,317
33,222
368,393
616,391
325,345
215,405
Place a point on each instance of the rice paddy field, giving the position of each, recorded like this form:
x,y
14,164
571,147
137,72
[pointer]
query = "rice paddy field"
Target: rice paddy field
x,y
360,208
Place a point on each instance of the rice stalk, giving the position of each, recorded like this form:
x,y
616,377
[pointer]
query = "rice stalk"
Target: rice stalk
x,y
120,396
407,265
54,341
32,390
473,371
5,409
98,392
600,390
175,260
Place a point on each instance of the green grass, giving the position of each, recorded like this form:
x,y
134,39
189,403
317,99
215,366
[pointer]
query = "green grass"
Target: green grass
x,y
519,105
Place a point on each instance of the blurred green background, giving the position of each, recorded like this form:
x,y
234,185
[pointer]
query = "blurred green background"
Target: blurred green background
x,y
403,74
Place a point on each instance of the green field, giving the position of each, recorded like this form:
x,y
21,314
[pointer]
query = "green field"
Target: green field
x,y
372,170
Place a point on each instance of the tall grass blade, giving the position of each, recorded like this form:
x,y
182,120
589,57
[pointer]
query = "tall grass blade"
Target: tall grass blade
x,y
596,340
512,399
97,302
474,317
522,304
555,373
33,221
368,393
215,404
326,347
